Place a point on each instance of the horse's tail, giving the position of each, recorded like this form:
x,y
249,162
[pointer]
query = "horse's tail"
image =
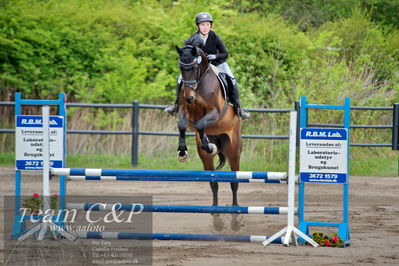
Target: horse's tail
x,y
222,161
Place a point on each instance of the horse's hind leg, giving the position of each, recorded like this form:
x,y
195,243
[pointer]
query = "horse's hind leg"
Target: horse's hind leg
x,y
207,161
233,150
218,224
234,189
236,218
235,166
215,189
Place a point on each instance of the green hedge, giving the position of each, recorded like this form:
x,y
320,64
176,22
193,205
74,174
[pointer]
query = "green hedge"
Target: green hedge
x,y
116,51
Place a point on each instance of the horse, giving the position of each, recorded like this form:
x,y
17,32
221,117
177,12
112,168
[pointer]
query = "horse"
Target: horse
x,y
204,109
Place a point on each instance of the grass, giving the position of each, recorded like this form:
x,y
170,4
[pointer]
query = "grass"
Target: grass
x,y
376,165
363,162
7,159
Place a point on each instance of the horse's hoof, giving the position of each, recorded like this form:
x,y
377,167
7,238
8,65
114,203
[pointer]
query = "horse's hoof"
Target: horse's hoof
x,y
218,224
183,158
213,148
235,224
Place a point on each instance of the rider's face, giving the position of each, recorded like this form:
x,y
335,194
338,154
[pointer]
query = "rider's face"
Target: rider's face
x,y
204,27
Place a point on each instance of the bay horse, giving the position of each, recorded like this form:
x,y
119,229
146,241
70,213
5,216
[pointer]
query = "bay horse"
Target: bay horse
x,y
203,108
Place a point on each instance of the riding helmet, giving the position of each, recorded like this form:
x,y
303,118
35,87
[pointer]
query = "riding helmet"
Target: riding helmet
x,y
203,16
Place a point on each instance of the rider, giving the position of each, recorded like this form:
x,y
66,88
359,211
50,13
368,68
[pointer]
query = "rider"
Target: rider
x,y
216,53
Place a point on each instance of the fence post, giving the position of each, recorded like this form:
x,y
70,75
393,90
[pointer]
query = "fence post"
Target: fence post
x,y
135,133
297,107
395,127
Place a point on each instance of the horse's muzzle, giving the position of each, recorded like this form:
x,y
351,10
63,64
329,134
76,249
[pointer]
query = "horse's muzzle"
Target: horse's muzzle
x,y
189,99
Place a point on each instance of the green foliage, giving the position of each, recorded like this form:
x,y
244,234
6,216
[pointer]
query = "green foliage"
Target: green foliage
x,y
384,12
93,50
308,14
266,58
351,58
117,51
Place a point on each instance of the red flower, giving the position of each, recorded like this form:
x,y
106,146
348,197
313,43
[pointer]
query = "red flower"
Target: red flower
x,y
328,244
55,195
335,239
36,195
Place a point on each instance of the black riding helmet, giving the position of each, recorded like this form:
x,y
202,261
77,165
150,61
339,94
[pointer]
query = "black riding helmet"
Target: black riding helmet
x,y
203,16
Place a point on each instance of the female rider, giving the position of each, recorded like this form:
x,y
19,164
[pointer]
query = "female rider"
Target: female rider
x,y
216,53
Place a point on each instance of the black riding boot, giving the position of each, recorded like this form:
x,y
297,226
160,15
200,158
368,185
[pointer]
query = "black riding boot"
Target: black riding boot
x,y
172,109
236,102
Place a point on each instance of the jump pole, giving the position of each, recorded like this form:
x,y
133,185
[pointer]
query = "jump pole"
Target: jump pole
x,y
176,208
178,179
168,173
290,229
168,236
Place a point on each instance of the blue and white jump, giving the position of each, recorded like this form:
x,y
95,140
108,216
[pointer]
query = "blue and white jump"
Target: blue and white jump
x,y
191,176
165,175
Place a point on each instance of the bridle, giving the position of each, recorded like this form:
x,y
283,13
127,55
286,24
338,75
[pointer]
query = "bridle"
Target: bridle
x,y
193,84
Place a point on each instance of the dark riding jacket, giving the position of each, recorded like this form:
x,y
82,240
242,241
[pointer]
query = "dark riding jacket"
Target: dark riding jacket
x,y
214,45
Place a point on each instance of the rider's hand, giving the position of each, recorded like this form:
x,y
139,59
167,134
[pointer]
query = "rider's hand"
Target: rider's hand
x,y
211,56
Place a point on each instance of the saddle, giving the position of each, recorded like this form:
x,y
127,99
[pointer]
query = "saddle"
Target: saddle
x,y
226,83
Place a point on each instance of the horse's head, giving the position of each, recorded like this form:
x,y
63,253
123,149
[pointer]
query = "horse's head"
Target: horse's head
x,y
193,66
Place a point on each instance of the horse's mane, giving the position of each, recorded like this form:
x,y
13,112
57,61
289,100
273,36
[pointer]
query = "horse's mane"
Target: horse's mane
x,y
195,41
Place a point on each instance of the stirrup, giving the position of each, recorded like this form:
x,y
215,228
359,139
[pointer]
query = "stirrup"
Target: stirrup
x,y
244,113
171,109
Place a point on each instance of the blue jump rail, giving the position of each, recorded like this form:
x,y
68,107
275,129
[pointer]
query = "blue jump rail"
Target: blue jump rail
x,y
177,208
168,173
165,236
177,179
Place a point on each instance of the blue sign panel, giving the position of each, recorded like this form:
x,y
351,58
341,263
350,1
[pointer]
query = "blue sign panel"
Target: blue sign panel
x,y
323,155
323,178
324,133
36,121
29,142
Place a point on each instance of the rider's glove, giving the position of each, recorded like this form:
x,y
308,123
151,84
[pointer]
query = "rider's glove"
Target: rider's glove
x,y
211,56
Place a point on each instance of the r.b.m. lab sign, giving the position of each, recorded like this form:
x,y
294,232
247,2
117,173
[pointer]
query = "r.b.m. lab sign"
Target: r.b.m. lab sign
x,y
324,155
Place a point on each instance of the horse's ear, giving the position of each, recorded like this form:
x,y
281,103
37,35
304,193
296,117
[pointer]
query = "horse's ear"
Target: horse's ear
x,y
178,49
194,51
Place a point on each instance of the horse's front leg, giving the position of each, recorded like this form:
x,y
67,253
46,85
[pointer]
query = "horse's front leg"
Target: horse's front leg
x,y
182,148
207,146
208,120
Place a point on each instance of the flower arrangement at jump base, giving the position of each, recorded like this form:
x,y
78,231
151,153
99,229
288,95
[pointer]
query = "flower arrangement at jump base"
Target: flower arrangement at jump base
x,y
35,203
325,241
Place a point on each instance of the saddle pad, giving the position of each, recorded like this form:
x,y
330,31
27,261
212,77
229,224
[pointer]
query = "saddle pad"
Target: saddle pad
x,y
221,81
